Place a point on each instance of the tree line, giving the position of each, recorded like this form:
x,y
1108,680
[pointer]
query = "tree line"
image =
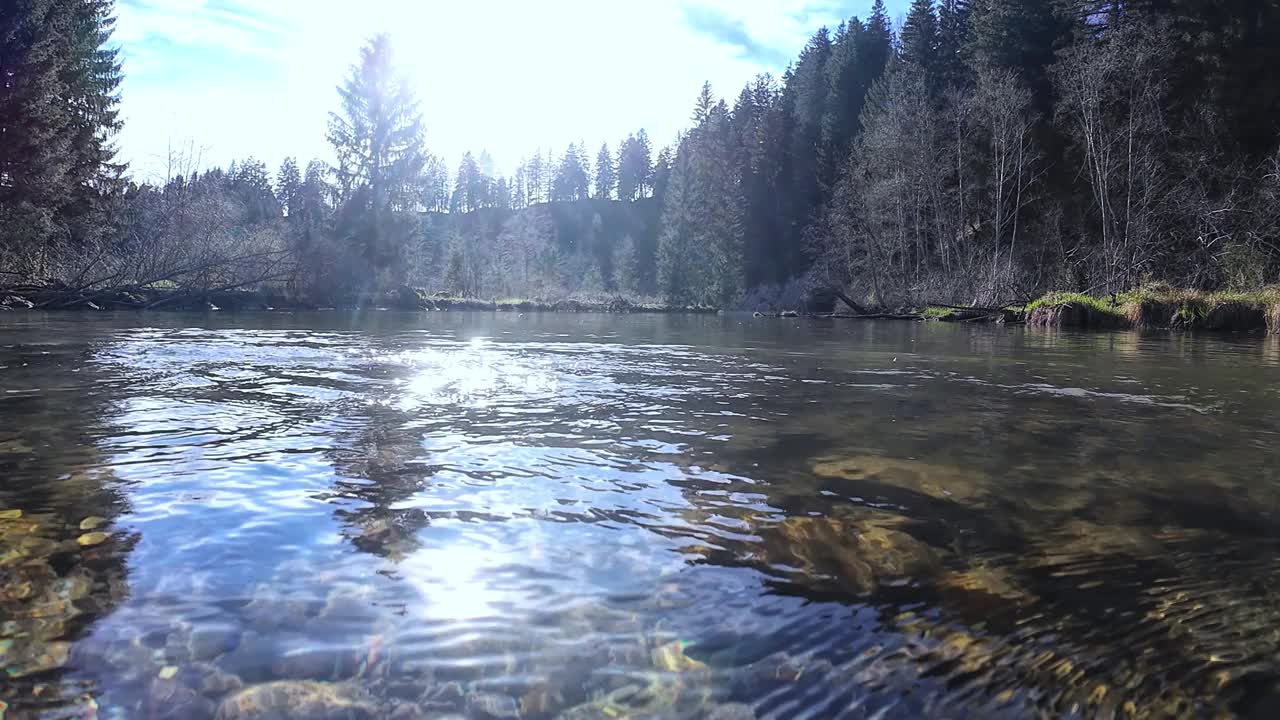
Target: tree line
x,y
983,152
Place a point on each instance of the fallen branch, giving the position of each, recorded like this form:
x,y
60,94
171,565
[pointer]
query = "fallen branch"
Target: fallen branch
x,y
877,316
848,301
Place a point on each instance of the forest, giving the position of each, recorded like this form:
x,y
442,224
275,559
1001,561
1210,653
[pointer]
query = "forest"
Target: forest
x,y
983,152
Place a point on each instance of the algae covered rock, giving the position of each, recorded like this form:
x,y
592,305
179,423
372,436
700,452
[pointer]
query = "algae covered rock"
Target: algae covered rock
x,y
93,522
170,699
856,555
92,538
942,482
290,700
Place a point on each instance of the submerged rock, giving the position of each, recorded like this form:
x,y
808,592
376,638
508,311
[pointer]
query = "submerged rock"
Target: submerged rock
x,y
937,481
211,641
169,699
858,556
492,706
214,682
671,658
93,522
91,539
290,700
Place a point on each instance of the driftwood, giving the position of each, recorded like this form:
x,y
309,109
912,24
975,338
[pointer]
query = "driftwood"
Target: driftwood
x,y
876,316
968,307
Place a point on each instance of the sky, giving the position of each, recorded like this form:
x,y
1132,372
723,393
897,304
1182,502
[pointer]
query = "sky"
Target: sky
x,y
211,81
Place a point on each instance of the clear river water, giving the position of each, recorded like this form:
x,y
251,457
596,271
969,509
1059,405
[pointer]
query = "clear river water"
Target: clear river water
x,y
340,515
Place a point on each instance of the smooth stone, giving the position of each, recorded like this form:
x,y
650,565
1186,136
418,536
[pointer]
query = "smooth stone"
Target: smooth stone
x,y
214,681
92,522
492,706
91,539
211,641
290,700
168,699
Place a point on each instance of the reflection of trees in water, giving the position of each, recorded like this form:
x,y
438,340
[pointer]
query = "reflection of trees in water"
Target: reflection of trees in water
x,y
62,565
378,466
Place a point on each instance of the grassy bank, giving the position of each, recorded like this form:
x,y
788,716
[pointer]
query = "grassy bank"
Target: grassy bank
x,y
1160,307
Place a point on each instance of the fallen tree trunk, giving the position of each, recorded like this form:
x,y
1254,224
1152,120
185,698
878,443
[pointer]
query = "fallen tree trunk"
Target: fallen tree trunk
x,y
849,301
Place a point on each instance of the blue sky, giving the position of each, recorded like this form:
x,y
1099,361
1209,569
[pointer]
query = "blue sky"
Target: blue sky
x,y
220,80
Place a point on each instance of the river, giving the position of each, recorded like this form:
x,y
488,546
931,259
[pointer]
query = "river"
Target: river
x,y
586,516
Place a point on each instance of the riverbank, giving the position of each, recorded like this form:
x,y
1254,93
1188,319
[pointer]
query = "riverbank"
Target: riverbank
x,y
1159,307
57,296
1153,307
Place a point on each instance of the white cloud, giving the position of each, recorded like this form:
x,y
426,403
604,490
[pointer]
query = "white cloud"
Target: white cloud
x,y
499,75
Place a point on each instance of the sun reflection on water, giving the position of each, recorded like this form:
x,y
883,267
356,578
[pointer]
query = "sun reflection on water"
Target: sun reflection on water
x,y
471,374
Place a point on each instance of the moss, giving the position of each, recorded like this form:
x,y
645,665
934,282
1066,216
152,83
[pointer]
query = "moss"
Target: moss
x,y
1067,309
937,313
1161,306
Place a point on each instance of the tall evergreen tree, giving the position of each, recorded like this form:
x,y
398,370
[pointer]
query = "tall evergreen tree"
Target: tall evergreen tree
x,y
533,179
1022,36
58,113
606,178
635,168
377,137
289,189
468,188
699,249
252,185
571,181
953,38
919,38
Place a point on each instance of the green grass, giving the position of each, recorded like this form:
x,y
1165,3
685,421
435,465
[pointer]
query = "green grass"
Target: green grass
x,y
1075,299
1162,306
936,313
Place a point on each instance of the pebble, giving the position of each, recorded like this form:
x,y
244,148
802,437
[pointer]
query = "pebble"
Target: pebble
x,y
92,522
91,539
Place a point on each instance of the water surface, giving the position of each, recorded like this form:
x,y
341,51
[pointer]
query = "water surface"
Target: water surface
x,y
633,516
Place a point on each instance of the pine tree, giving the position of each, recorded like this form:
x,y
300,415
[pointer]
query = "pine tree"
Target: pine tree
x,y
606,178
468,188
919,38
533,179
846,85
677,259
1022,36
805,105
58,113
662,174
571,181
519,193
699,248
642,162
251,184
314,195
953,37
289,189
377,138
436,190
